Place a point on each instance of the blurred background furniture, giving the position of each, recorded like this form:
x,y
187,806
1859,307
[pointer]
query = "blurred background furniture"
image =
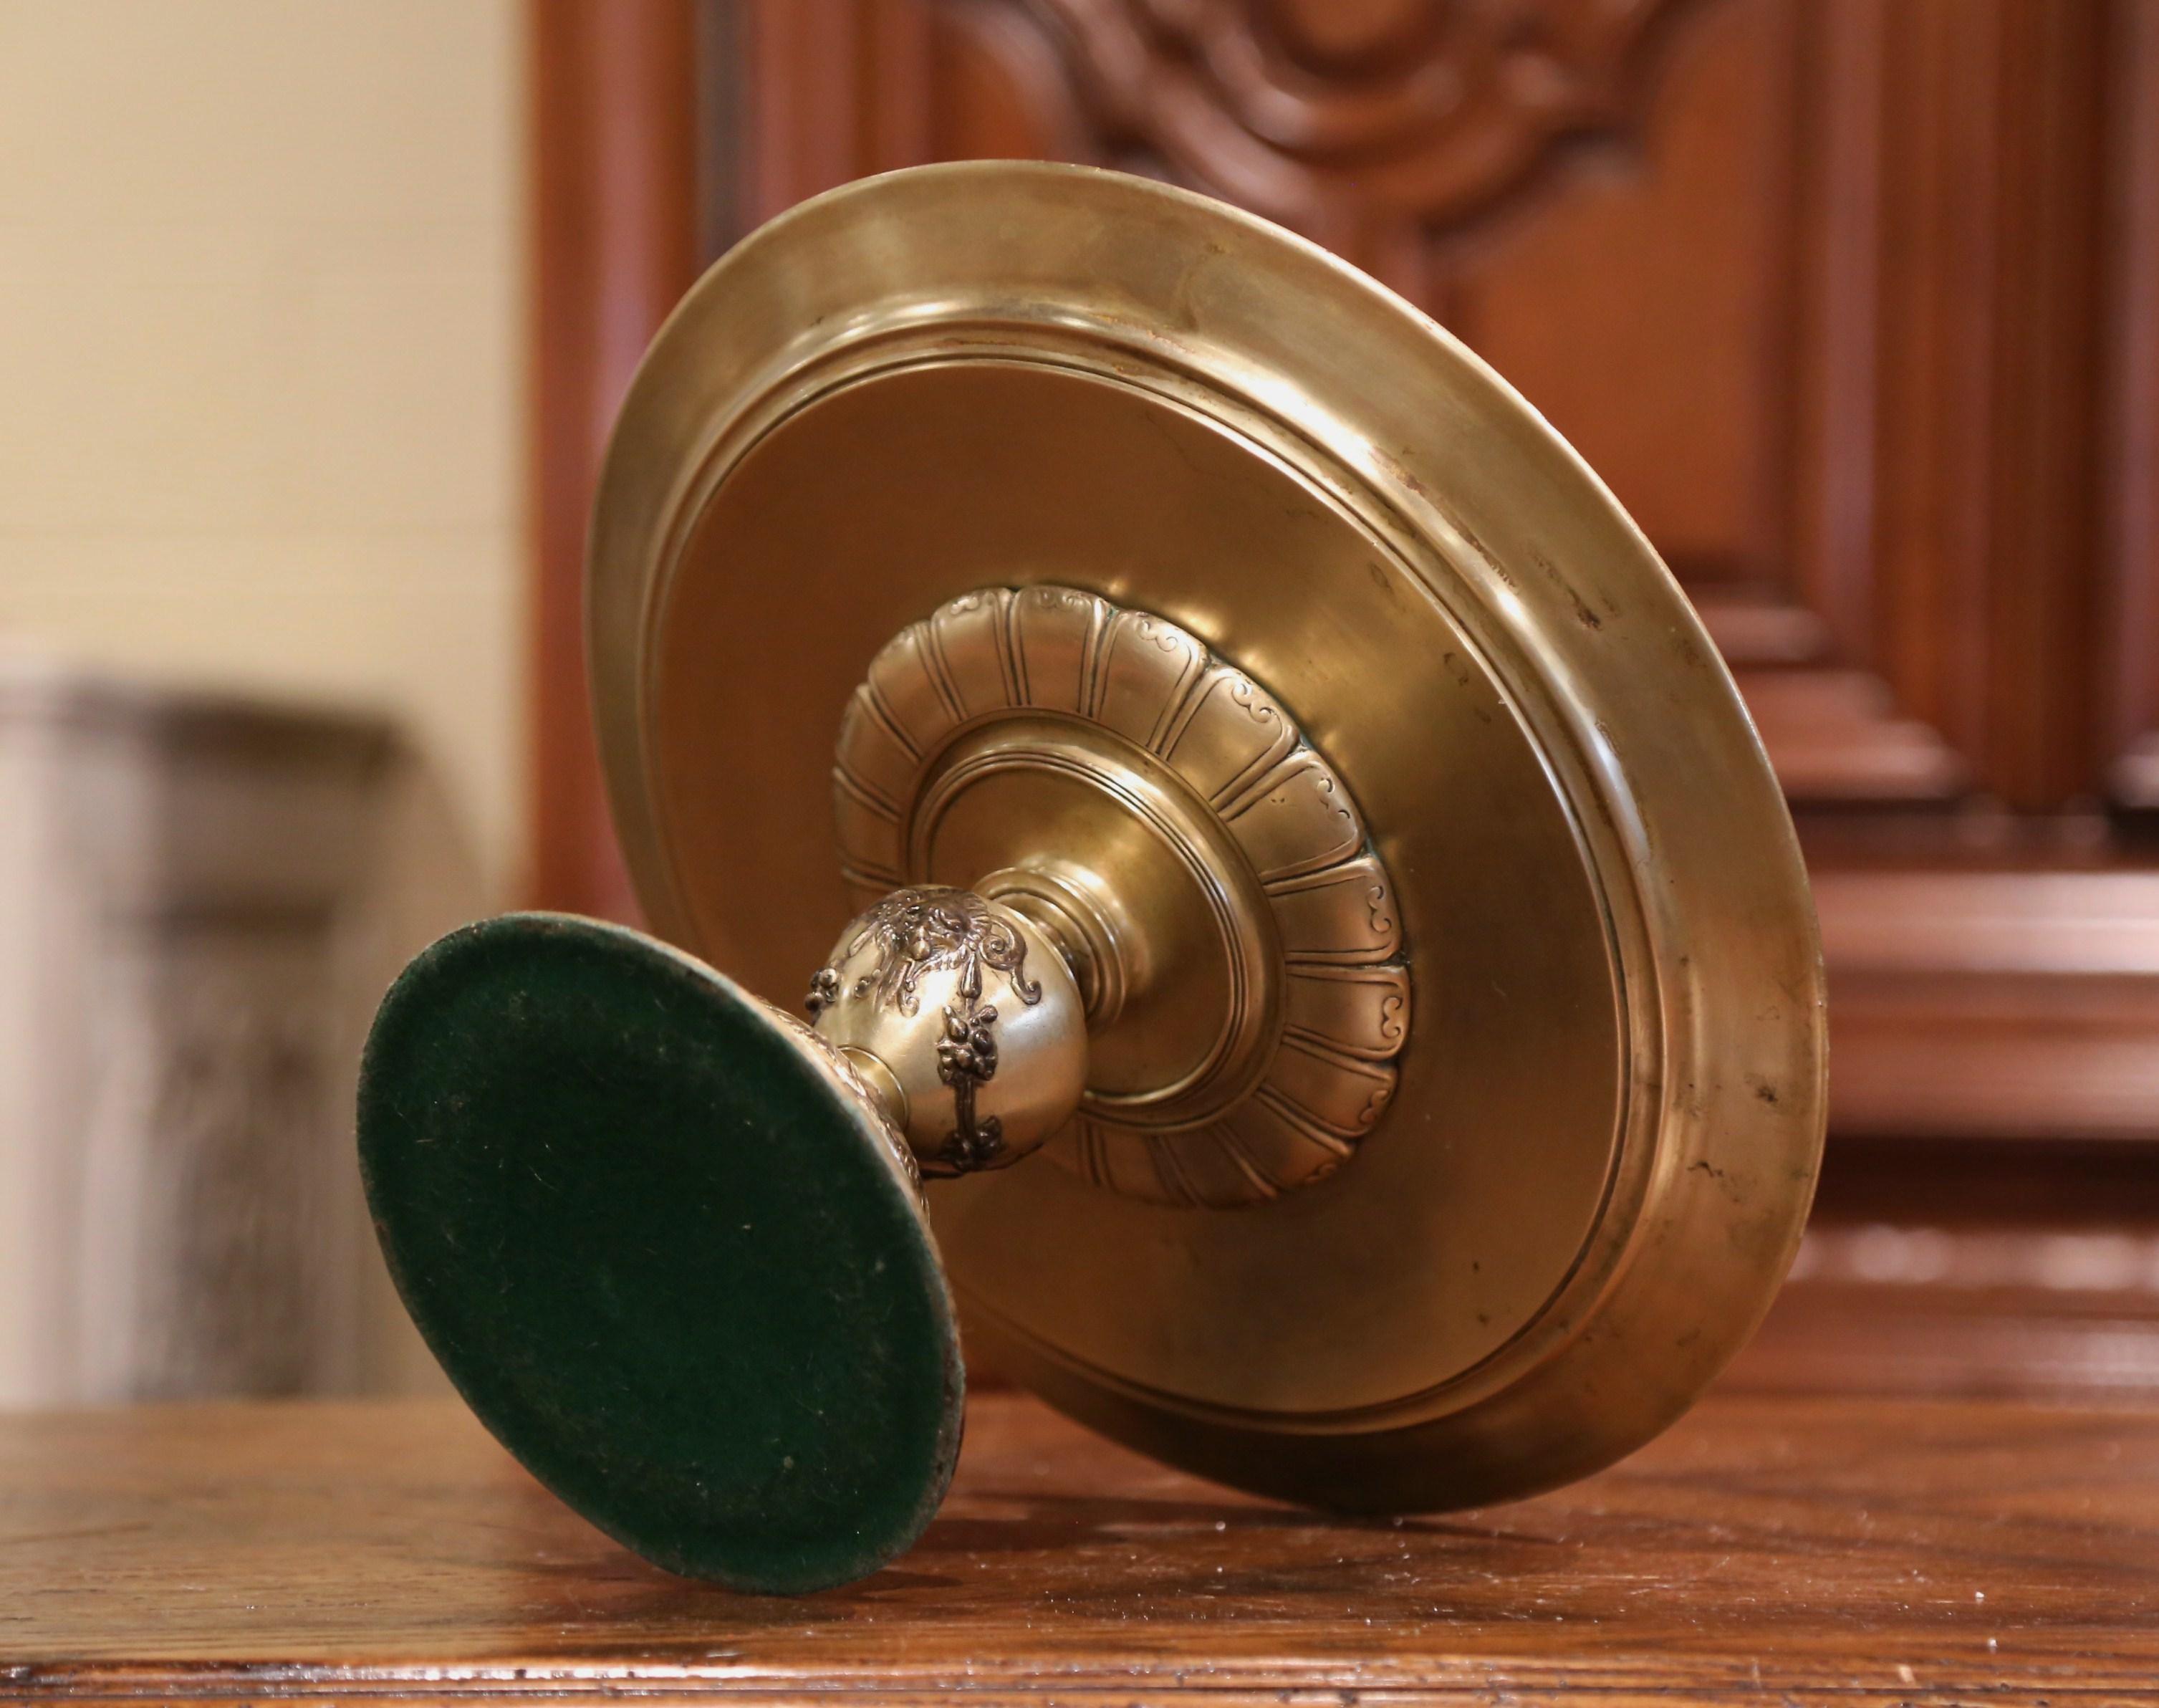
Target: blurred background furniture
x,y
201,896
1855,303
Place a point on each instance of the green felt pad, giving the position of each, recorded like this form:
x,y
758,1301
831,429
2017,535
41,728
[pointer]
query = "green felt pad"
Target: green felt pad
x,y
665,1257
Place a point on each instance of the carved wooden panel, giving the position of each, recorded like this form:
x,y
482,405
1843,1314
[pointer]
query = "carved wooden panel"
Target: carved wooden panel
x,y
1855,303
1810,282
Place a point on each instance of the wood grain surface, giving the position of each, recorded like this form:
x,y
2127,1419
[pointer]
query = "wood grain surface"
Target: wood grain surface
x,y
1870,1550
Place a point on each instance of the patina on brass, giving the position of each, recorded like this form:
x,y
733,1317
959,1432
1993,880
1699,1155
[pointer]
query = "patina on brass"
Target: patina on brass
x,y
994,379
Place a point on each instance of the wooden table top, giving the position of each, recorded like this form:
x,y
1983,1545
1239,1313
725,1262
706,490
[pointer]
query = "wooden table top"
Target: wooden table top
x,y
1881,1551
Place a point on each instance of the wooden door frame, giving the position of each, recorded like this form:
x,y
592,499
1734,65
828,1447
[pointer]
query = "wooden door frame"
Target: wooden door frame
x,y
615,151
645,162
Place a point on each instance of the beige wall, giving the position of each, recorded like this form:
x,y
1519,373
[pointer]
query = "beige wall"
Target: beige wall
x,y
261,301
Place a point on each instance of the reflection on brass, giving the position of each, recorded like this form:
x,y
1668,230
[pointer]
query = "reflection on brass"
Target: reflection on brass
x,y
1162,820
1026,453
